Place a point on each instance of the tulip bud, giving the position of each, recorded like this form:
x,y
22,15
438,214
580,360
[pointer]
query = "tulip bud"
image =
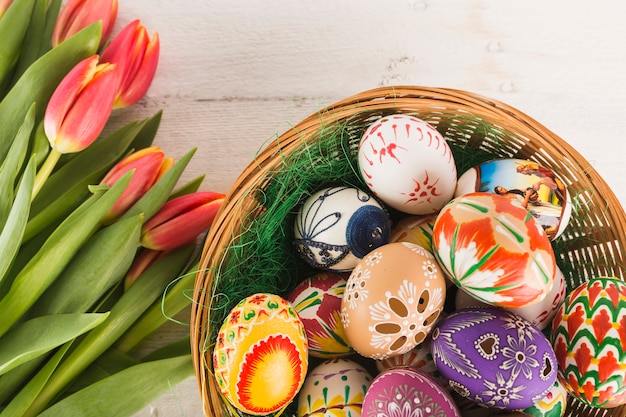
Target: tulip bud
x,y
80,106
149,164
181,220
78,14
137,57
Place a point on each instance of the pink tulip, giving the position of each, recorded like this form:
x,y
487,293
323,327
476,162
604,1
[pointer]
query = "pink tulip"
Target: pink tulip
x,y
137,57
78,14
149,165
80,106
181,220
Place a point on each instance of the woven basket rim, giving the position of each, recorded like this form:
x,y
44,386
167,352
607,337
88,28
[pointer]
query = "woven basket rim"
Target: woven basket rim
x,y
400,99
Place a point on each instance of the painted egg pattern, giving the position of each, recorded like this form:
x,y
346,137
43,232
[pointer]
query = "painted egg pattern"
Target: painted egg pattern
x,y
494,357
407,392
415,229
317,300
337,226
537,188
492,248
540,314
393,298
589,338
552,405
407,164
262,339
334,388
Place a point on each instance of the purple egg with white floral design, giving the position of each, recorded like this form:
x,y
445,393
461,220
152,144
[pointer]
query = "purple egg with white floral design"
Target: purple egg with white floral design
x,y
407,392
494,357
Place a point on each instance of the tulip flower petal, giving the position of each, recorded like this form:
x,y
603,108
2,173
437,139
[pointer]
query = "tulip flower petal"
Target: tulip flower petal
x,y
89,113
148,165
78,14
65,94
181,220
137,57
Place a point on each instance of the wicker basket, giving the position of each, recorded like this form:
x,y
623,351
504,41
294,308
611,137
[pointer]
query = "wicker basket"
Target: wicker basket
x,y
594,242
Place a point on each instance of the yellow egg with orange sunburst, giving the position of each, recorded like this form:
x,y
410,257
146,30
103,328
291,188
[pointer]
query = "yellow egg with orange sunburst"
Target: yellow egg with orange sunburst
x,y
261,354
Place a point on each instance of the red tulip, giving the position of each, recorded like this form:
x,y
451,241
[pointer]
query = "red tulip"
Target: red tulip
x,y
78,14
181,220
80,106
137,57
149,165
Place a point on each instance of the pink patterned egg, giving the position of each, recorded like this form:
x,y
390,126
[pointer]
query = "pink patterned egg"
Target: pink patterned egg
x,y
407,164
492,248
589,339
317,300
262,339
407,392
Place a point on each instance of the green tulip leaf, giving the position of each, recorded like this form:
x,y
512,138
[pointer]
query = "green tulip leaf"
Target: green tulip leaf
x,y
25,397
11,235
13,28
33,39
35,337
110,396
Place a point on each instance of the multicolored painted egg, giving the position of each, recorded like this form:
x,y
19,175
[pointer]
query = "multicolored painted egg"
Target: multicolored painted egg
x,y
334,388
338,226
393,298
552,405
407,164
537,188
589,338
262,339
407,392
317,300
420,357
415,229
493,249
540,314
494,357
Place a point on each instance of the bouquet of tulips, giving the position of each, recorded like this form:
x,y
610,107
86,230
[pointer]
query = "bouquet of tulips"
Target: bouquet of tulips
x,y
98,241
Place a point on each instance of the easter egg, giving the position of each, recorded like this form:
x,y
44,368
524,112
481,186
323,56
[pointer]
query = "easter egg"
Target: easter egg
x,y
334,388
262,339
393,298
337,226
317,300
540,314
407,164
537,188
589,339
415,229
407,392
420,357
494,357
552,405
493,249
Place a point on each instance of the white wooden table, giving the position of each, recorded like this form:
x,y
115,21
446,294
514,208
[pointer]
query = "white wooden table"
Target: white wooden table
x,y
235,74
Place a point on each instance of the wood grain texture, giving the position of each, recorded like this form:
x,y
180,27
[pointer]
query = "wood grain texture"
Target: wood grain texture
x,y
233,75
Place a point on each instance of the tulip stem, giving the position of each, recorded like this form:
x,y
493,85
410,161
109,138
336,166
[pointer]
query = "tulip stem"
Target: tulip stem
x,y
45,171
